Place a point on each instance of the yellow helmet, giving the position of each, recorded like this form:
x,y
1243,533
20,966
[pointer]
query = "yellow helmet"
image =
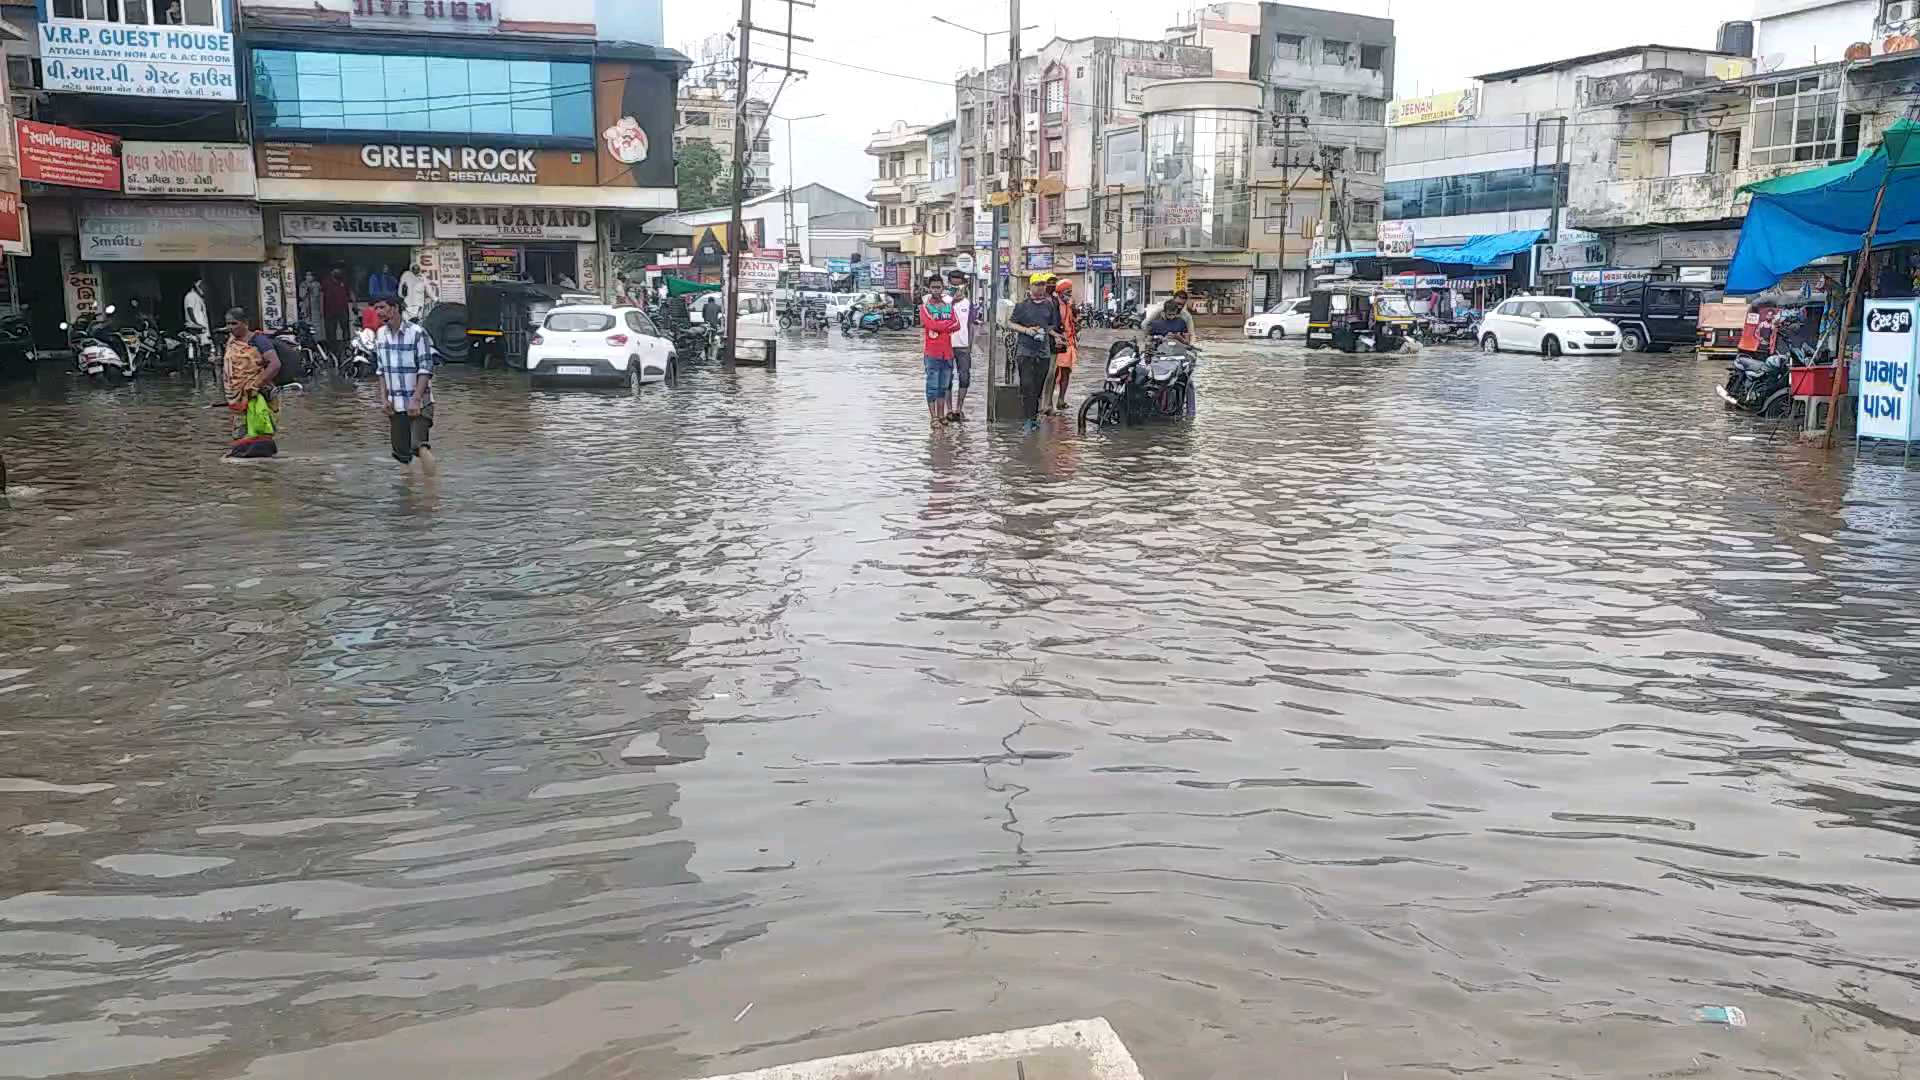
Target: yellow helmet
x,y
1041,276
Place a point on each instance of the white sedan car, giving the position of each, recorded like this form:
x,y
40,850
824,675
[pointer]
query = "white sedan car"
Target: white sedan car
x,y
1548,325
1288,318
599,343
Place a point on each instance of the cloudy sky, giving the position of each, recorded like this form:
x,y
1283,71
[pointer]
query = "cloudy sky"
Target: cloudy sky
x,y
873,63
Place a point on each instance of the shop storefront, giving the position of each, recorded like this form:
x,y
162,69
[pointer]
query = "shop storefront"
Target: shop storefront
x,y
151,253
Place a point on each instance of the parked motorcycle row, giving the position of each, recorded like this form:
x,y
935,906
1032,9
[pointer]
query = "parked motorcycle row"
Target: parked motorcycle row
x,y
110,353
1093,317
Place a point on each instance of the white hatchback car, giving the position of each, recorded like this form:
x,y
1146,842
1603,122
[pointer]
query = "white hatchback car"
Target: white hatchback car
x,y
1548,325
1286,319
600,343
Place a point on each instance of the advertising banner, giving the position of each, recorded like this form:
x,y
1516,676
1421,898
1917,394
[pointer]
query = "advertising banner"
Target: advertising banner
x,y
13,223
53,154
494,263
171,232
1887,370
187,168
479,164
350,228
90,56
633,110
759,273
511,223
425,16
80,284
1452,105
1394,240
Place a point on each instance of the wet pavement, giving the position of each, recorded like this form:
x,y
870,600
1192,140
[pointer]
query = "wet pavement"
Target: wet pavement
x,y
1415,715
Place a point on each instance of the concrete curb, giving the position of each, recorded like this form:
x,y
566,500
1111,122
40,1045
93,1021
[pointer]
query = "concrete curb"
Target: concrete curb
x,y
1074,1050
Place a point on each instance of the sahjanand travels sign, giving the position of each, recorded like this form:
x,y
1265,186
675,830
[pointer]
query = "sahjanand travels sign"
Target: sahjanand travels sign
x,y
1452,105
95,56
512,223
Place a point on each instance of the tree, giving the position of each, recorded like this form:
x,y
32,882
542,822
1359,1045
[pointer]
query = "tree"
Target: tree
x,y
701,174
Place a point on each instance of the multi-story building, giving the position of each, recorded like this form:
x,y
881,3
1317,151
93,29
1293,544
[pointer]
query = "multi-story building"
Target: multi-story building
x,y
1200,137
1328,76
1665,199
1490,168
483,141
1081,95
706,114
900,171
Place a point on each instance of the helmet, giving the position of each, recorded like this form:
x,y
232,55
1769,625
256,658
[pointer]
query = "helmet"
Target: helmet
x,y
1041,276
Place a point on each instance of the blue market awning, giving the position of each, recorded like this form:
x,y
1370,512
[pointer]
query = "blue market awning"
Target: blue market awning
x,y
1475,251
1803,216
1482,250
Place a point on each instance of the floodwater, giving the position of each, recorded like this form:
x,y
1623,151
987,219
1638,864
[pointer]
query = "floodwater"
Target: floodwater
x,y
1401,716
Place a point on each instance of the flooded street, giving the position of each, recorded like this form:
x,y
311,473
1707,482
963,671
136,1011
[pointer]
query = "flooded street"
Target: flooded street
x,y
1416,716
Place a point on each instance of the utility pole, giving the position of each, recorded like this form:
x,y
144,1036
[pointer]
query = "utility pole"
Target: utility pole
x,y
736,231
1553,170
1016,161
1286,192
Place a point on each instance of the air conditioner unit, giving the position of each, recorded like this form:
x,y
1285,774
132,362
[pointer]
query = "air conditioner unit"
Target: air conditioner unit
x,y
1072,233
1901,12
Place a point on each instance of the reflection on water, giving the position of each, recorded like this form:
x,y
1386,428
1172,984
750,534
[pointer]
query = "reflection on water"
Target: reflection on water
x,y
1411,715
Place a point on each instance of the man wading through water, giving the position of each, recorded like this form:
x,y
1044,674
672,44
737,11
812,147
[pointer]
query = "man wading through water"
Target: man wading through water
x,y
404,357
1036,323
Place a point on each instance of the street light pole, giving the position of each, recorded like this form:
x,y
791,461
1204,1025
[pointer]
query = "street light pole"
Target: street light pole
x,y
793,233
985,269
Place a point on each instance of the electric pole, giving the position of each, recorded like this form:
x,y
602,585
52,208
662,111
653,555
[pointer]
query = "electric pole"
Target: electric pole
x,y
736,230
1016,218
1286,193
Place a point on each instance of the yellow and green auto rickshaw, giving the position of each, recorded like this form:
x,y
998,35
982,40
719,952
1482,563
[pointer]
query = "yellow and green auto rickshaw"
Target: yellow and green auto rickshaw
x,y
1357,316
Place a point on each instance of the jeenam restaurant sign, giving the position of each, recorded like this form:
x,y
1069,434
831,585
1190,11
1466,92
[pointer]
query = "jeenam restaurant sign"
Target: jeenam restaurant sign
x,y
511,223
427,164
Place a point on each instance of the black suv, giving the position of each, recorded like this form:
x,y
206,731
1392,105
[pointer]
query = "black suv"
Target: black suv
x,y
1652,315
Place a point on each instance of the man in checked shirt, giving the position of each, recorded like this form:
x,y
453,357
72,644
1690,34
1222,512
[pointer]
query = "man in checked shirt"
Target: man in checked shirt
x,y
404,355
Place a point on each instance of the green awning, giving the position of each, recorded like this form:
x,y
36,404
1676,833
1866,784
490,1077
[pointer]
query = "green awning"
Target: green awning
x,y
681,286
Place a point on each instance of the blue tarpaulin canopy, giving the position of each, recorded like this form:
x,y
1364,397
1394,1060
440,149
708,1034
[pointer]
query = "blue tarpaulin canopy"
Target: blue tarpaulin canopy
x,y
1482,250
1803,216
1477,251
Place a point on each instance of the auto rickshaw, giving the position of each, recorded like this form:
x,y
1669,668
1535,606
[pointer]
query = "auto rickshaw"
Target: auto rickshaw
x,y
1353,316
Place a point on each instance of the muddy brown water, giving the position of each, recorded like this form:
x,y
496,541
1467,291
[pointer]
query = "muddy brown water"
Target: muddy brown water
x,y
1404,716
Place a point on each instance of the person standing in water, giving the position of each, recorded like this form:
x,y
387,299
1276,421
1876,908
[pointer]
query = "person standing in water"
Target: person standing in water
x,y
937,325
252,367
403,355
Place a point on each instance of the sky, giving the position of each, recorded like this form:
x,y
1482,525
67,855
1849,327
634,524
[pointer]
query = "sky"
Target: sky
x,y
910,60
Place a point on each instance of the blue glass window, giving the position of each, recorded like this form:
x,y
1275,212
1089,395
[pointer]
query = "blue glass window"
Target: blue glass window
x,y
298,90
1499,191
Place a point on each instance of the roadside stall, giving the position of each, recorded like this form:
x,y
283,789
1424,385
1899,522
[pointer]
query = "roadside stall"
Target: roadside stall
x,y
1796,219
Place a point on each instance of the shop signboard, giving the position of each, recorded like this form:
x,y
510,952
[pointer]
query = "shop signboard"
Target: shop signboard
x,y
1063,261
1696,275
1889,392
425,16
1394,240
96,56
1034,259
1575,250
512,223
494,263
171,232
983,228
759,273
634,112
1608,277
276,291
1130,261
350,228
13,224
52,154
587,264
1452,105
403,162
187,168
839,266
442,264
963,262
1102,264
80,284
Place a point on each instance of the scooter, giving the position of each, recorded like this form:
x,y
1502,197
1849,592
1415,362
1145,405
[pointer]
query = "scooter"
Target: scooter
x,y
96,349
1763,387
361,359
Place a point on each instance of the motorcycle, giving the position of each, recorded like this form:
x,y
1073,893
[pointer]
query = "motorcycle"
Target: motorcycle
x,y
814,317
96,348
1140,386
1764,387
362,360
299,351
873,322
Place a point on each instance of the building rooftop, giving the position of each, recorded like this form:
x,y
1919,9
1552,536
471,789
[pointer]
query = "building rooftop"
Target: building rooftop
x,y
1591,58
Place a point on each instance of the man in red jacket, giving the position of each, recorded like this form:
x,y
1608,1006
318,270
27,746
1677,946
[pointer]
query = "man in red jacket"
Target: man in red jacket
x,y
937,325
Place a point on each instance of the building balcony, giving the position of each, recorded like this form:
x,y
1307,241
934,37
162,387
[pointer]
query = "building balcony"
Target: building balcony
x,y
936,190
893,236
1671,200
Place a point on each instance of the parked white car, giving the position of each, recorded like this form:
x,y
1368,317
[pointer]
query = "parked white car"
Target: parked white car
x,y
599,343
1548,325
1286,319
